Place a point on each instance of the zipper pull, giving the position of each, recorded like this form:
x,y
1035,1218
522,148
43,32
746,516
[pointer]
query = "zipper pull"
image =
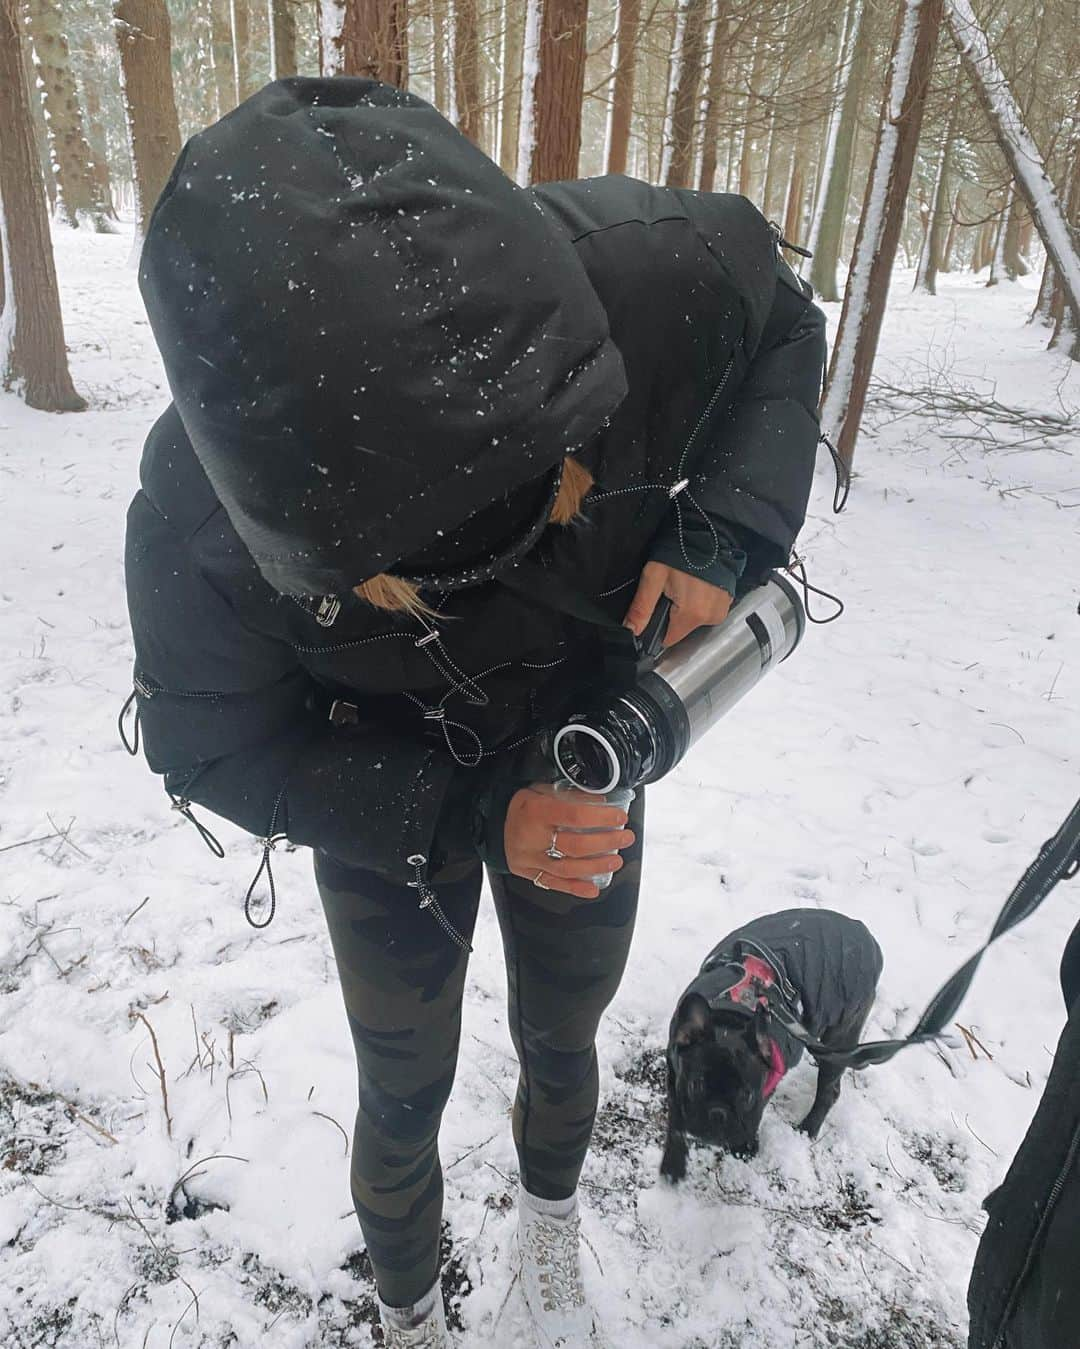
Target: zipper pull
x,y
781,242
430,900
328,610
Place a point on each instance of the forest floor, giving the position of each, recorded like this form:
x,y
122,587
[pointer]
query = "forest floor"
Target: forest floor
x,y
903,768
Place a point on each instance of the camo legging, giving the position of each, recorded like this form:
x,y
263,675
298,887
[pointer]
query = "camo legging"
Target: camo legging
x,y
403,979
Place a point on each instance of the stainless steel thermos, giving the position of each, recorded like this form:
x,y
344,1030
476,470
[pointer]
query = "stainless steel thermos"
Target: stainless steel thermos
x,y
639,735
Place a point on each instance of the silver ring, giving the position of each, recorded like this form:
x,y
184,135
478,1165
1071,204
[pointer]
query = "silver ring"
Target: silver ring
x,y
553,851
539,883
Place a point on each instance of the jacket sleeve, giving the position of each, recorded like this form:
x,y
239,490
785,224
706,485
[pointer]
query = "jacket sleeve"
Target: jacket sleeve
x,y
756,473
231,721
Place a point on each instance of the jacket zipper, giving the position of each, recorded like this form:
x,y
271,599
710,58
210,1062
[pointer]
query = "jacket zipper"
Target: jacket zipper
x,y
1058,1186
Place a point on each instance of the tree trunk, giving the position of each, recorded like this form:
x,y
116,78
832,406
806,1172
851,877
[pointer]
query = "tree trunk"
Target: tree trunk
x,y
918,26
746,158
438,56
622,96
39,126
830,233
32,351
529,73
997,257
1056,311
363,37
79,193
282,38
1022,156
144,37
795,212
953,208
714,96
95,138
848,35
240,23
467,69
513,48
685,104
1015,266
221,46
931,254
560,86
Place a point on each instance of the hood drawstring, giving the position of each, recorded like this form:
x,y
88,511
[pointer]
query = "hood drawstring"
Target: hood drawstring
x,y
429,900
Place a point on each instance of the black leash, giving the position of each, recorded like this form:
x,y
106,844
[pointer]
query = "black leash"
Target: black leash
x,y
1058,859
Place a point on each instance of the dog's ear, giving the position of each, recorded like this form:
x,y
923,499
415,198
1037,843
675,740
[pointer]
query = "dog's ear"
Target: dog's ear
x,y
693,1020
762,1032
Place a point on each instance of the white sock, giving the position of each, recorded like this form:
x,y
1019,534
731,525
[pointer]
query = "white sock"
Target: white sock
x,y
549,1208
405,1318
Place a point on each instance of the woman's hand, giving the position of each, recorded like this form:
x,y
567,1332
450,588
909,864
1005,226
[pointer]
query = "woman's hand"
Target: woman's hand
x,y
696,603
536,813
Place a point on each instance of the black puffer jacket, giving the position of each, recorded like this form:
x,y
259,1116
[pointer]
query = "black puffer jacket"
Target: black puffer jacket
x,y
370,333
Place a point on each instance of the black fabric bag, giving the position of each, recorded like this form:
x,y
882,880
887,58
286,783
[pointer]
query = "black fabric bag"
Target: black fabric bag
x,y
1025,1287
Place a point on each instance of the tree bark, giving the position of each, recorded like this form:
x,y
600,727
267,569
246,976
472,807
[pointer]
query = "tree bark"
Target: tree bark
x,y
39,126
1012,259
467,69
931,253
917,30
243,76
852,15
513,49
221,46
145,40
1022,155
32,351
830,236
622,94
560,86
79,193
364,37
746,157
282,38
714,96
997,256
685,105
953,208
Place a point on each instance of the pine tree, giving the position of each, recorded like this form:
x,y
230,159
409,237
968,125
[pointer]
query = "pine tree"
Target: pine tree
x,y
145,40
32,351
79,190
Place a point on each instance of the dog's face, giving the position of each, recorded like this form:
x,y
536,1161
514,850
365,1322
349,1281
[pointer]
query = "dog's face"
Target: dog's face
x,y
721,1064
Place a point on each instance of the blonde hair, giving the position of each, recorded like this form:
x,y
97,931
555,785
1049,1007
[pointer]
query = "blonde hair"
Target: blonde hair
x,y
395,595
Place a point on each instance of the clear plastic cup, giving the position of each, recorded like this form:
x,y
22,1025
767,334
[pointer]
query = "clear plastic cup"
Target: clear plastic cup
x,y
620,798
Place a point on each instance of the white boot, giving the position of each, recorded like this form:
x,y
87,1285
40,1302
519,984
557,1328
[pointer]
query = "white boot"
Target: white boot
x,y
549,1256
421,1326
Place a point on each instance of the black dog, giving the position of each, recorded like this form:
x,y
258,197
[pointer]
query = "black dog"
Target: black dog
x,y
727,1049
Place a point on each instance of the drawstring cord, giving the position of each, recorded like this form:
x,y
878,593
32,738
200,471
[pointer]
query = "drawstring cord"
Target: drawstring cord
x,y
429,900
132,745
681,487
796,568
269,843
842,490
183,805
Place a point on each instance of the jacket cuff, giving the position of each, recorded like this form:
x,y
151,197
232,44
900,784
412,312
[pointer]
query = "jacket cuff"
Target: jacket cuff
x,y
718,558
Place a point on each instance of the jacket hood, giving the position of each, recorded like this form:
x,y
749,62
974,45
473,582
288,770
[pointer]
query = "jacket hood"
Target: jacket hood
x,y
370,332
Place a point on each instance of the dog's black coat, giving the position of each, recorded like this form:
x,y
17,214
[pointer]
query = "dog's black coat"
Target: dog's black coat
x,y
727,1051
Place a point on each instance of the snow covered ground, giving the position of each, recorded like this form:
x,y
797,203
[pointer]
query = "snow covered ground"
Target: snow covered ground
x,y
903,768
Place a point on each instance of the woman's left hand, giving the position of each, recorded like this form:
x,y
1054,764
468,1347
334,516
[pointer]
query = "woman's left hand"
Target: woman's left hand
x,y
696,603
